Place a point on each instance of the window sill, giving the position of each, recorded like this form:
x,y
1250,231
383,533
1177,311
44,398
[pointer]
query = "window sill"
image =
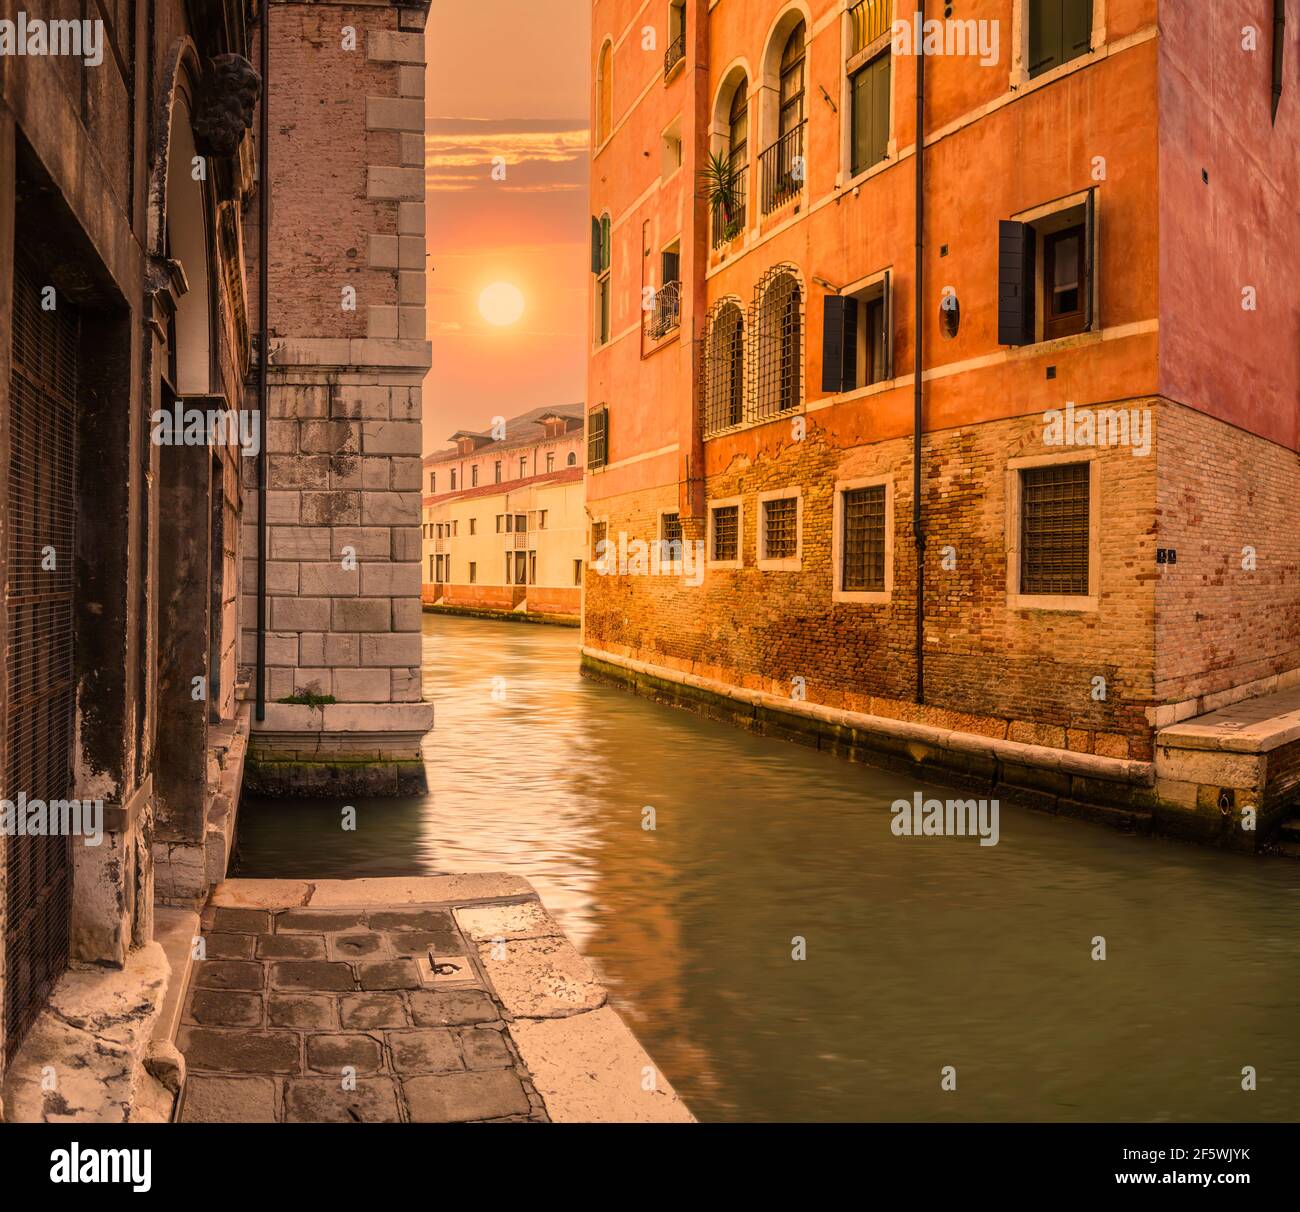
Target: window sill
x,y
725,565
1054,345
673,72
1060,604
744,426
874,597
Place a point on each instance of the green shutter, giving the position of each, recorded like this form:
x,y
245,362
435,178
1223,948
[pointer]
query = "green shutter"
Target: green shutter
x,y
1046,24
879,108
869,99
1076,31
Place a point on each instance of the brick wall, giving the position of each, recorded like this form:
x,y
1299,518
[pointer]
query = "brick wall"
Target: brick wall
x,y
1023,674
1227,500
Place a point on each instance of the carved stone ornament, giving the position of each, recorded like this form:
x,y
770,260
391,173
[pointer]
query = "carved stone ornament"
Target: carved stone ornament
x,y
226,104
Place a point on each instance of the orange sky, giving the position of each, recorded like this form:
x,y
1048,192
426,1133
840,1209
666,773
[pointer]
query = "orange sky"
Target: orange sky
x,y
506,79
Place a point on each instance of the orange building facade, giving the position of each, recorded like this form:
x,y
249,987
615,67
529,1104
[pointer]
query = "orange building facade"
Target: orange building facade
x,y
1089,252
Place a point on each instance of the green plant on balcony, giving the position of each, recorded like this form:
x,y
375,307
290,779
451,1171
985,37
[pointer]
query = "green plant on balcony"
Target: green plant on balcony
x,y
718,189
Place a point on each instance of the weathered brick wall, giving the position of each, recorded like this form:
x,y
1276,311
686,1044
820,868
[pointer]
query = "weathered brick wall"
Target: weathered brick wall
x,y
334,113
1023,674
1228,612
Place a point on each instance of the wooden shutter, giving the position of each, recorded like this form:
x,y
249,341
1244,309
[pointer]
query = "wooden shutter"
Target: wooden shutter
x,y
1089,230
1076,29
1046,21
596,245
598,438
1015,283
879,108
834,309
889,328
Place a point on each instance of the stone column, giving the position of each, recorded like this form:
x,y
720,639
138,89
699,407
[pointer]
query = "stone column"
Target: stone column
x,y
347,357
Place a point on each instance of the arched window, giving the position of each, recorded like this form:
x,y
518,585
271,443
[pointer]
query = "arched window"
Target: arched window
x,y
724,370
777,331
738,128
604,93
572,460
792,80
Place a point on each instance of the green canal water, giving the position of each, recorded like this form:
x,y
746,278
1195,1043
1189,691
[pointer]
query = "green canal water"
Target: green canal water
x,y
921,952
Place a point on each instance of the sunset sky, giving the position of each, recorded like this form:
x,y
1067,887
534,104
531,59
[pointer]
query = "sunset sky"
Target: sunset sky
x,y
508,80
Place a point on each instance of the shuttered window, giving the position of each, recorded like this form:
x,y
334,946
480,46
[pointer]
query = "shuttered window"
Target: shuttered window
x,y
1054,529
1059,30
598,438
869,99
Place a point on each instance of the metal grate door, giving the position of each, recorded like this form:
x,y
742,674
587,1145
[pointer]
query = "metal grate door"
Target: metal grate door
x,y
38,597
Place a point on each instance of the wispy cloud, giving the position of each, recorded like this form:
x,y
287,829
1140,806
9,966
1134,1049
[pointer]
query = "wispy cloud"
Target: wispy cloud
x,y
538,155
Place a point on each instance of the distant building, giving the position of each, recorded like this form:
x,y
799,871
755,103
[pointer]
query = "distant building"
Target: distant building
x,y
504,524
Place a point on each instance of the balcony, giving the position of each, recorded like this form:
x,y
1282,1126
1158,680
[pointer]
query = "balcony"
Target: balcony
x,y
869,20
517,540
440,546
782,168
675,53
665,315
729,209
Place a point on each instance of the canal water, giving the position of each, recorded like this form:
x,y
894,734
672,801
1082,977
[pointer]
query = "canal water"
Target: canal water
x,y
921,952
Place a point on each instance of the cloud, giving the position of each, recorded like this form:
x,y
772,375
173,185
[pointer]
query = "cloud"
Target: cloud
x,y
538,155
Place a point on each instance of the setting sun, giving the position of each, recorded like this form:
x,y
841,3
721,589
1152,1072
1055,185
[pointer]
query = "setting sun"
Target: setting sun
x,y
501,303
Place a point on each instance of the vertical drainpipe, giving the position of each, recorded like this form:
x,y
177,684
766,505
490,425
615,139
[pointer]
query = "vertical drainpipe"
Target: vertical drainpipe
x,y
918,526
263,243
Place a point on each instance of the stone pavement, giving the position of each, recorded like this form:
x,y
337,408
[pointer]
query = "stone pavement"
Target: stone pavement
x,y
440,999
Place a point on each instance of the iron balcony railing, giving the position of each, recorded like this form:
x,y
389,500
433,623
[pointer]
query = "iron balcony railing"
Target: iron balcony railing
x,y
868,20
665,315
729,209
782,168
675,53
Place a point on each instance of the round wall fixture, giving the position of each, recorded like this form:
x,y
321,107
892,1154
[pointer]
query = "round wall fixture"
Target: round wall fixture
x,y
949,314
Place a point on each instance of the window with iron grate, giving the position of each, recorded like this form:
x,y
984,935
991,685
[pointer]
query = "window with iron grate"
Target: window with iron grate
x,y
726,532
864,540
781,528
1054,503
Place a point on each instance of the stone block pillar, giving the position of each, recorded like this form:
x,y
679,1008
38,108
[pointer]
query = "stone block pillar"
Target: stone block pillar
x,y
347,354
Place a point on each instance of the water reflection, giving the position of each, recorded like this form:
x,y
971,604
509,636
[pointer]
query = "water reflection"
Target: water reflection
x,y
921,953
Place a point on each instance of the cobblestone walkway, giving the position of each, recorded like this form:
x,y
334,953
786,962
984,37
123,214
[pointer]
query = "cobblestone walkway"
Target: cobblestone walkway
x,y
401,1011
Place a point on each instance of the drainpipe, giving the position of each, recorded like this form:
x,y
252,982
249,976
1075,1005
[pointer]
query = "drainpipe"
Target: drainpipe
x,y
918,528
1279,44
263,244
